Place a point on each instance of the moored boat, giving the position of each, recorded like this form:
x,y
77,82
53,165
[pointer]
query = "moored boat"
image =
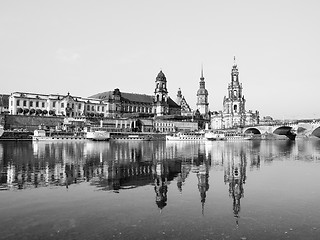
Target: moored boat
x,y
238,137
42,135
229,136
131,137
98,135
192,136
214,136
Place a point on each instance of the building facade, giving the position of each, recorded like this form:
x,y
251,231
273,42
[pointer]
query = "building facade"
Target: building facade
x,y
4,103
234,113
22,103
107,104
181,101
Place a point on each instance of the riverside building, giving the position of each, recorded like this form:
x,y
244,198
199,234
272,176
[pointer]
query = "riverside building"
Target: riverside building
x,y
118,109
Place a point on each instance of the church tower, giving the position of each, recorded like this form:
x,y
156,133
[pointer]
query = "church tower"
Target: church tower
x,y
161,106
234,104
202,96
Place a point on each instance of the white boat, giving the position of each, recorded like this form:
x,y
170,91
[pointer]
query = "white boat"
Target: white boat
x,y
131,137
228,136
98,135
41,135
214,136
235,136
192,136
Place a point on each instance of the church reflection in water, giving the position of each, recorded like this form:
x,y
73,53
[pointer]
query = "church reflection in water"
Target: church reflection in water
x,y
111,166
235,177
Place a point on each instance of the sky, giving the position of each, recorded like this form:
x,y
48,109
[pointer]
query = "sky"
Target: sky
x,y
88,47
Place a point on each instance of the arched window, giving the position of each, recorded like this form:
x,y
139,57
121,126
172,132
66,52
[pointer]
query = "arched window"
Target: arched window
x,y
235,107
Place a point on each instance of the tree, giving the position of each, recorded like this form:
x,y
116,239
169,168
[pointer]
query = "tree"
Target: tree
x,y
38,111
20,110
25,111
32,111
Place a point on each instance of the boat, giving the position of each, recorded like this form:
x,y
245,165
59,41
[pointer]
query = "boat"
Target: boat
x,y
15,134
229,136
237,136
191,136
214,136
98,135
131,137
42,135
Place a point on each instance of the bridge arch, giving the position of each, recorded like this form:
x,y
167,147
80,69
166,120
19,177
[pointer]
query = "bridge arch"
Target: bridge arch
x,y
283,130
316,132
252,130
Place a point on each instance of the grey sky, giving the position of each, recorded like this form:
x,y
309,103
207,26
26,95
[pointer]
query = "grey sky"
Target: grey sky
x,y
86,47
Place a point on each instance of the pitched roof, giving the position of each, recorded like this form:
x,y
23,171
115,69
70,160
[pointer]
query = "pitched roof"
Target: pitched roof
x,y
133,97
103,95
172,103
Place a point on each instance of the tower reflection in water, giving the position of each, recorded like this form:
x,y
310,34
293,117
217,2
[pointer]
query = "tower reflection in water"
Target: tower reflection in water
x,y
235,175
110,166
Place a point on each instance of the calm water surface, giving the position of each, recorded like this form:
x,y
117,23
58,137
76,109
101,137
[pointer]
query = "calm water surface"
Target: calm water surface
x,y
160,190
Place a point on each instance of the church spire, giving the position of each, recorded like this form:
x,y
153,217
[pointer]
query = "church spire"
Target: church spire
x,y
202,78
202,96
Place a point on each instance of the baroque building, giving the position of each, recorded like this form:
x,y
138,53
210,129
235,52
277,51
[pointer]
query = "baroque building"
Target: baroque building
x,y
202,97
106,104
234,113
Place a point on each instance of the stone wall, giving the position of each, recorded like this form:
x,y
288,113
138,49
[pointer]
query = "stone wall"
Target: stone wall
x,y
30,123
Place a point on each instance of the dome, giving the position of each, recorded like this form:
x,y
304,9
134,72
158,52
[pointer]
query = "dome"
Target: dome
x,y
161,77
202,91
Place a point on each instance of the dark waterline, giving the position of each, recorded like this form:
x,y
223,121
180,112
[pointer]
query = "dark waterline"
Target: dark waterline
x,y
160,190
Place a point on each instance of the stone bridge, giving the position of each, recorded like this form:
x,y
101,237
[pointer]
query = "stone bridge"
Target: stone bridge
x,y
302,129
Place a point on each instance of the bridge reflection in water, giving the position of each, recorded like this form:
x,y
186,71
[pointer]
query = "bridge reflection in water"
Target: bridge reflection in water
x,y
116,167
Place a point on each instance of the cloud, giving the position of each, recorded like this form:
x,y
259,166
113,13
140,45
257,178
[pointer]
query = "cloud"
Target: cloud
x,y
67,56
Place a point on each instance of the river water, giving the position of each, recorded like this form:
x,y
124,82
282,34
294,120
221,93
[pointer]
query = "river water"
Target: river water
x,y
160,190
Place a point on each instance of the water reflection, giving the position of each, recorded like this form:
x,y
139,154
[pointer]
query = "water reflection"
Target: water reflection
x,y
110,166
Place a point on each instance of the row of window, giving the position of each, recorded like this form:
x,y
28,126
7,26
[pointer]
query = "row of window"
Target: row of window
x,y
137,109
89,107
164,124
164,129
24,103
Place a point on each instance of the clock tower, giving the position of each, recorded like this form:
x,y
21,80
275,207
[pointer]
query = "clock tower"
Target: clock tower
x,y
161,106
234,104
202,97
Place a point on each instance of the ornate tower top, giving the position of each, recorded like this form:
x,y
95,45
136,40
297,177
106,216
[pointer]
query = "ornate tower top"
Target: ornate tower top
x,y
234,71
161,77
202,96
202,78
202,90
